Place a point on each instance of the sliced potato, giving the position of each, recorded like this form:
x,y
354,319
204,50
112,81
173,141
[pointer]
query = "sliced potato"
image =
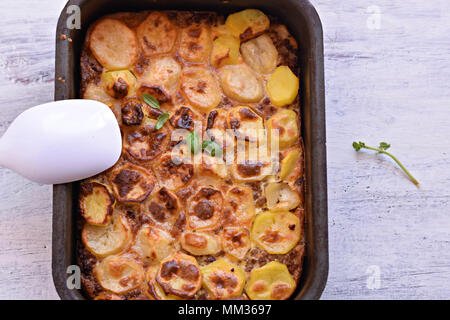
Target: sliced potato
x,y
246,124
107,296
119,274
163,207
247,24
205,209
132,183
200,87
270,282
236,241
179,276
217,127
107,240
281,197
113,44
160,78
173,173
195,43
211,169
97,92
145,142
251,170
184,118
153,244
260,54
240,83
96,203
153,288
289,163
132,112
276,232
239,206
283,86
223,280
199,243
225,51
119,84
156,34
285,121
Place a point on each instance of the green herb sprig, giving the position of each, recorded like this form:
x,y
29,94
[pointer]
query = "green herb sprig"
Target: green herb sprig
x,y
193,142
151,101
382,149
162,118
212,148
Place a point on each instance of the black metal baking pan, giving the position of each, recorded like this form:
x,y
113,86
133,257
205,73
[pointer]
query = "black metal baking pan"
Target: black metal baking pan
x,y
304,24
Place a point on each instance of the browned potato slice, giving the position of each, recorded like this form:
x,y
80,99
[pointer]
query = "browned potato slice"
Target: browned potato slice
x,y
285,121
276,232
132,183
97,92
145,143
132,112
119,84
96,203
270,282
184,118
247,24
211,169
199,243
290,163
223,280
205,209
195,43
173,174
160,78
251,169
216,128
246,124
225,51
154,290
163,207
119,274
156,34
113,44
153,244
240,83
107,240
280,197
236,241
179,276
260,54
200,87
239,206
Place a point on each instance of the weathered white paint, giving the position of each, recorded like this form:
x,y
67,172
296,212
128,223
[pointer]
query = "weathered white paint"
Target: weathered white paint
x,y
388,84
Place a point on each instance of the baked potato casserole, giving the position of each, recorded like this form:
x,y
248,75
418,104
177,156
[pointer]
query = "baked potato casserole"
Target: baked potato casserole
x,y
227,225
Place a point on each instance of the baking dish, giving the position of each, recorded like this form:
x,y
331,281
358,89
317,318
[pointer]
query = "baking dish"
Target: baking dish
x,y
304,24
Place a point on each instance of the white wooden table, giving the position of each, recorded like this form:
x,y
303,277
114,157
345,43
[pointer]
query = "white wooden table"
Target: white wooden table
x,y
387,79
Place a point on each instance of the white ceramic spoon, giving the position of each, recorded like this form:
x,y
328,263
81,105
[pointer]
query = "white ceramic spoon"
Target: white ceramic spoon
x,y
62,141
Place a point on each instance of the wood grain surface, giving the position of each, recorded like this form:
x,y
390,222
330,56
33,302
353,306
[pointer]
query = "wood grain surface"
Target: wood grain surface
x,y
387,79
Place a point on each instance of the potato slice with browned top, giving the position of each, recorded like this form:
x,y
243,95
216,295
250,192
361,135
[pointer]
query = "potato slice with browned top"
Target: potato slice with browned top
x,y
156,34
270,282
239,206
200,87
285,121
173,172
280,196
132,183
195,43
205,209
223,280
247,24
276,232
114,44
153,244
179,276
236,241
225,51
96,203
199,243
119,274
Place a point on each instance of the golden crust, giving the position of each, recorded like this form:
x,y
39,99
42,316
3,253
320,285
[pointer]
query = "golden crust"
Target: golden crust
x,y
156,227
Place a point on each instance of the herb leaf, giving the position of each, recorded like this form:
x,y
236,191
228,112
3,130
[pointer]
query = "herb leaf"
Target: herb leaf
x,y
382,149
193,142
161,120
212,148
151,101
